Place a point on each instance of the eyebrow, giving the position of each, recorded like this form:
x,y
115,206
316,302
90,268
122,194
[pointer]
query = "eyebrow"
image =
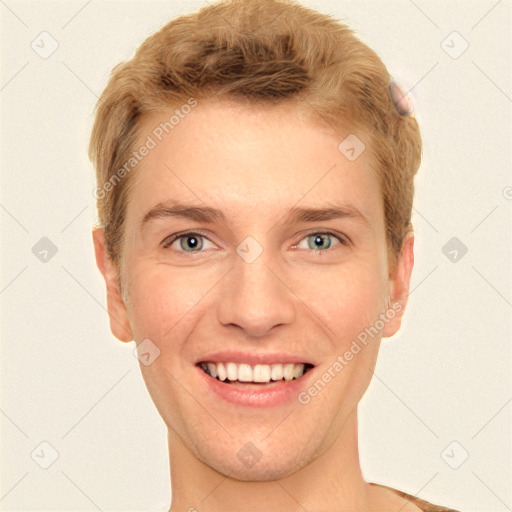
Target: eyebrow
x,y
210,215
205,214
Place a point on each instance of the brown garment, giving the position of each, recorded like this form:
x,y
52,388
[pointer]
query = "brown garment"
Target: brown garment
x,y
421,504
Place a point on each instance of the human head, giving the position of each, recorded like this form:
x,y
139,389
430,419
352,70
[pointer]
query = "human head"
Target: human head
x,y
276,111
251,52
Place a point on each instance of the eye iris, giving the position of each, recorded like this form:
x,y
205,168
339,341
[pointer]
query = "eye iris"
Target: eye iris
x,y
320,240
194,244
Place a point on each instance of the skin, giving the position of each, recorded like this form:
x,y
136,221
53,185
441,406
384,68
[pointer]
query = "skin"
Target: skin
x,y
255,164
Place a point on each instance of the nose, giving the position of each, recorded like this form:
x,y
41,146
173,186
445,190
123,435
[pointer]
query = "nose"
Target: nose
x,y
255,298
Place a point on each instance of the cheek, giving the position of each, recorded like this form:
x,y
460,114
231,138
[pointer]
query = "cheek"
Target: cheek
x,y
159,300
346,299
349,303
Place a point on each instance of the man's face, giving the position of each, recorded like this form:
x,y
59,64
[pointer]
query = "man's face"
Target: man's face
x,y
256,286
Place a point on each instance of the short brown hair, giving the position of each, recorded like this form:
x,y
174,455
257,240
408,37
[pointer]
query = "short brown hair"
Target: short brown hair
x,y
263,52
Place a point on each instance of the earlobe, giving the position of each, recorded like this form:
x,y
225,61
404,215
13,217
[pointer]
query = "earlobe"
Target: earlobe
x,y
399,286
119,324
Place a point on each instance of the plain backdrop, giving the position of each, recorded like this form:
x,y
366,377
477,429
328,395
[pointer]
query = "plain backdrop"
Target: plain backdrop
x,y
441,390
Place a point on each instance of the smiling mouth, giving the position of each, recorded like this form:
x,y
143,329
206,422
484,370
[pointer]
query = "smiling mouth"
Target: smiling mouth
x,y
242,373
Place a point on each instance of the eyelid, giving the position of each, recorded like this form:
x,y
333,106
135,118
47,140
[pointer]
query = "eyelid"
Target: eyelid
x,y
168,241
344,239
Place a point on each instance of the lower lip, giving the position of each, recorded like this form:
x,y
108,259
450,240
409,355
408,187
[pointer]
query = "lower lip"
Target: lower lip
x,y
256,395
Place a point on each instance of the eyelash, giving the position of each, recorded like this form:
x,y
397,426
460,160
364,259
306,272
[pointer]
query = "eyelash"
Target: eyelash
x,y
166,243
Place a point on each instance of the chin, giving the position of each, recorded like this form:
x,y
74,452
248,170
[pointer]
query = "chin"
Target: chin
x,y
273,468
260,461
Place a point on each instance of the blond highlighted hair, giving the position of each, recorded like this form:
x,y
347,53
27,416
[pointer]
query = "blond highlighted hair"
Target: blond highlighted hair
x,y
261,52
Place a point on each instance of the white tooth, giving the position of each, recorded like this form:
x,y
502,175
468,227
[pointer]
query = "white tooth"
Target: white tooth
x,y
221,371
288,371
244,373
261,373
277,371
212,369
298,371
231,370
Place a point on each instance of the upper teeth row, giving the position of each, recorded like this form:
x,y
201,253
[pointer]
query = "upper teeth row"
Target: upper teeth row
x,y
258,373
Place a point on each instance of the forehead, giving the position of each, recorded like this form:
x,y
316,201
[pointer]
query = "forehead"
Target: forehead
x,y
241,157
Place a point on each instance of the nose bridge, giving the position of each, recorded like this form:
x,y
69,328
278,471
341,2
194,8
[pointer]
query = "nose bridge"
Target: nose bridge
x,y
253,297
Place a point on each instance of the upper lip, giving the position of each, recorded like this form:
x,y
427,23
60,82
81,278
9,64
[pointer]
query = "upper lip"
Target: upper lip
x,y
255,358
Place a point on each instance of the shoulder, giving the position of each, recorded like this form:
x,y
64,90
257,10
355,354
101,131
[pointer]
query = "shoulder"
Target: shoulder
x,y
412,503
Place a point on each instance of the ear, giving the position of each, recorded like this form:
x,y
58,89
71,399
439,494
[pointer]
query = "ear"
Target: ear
x,y
399,281
116,308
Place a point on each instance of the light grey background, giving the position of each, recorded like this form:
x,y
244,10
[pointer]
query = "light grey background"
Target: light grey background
x,y
66,381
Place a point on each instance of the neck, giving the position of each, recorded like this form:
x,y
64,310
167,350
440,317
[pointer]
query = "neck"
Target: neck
x,y
332,481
